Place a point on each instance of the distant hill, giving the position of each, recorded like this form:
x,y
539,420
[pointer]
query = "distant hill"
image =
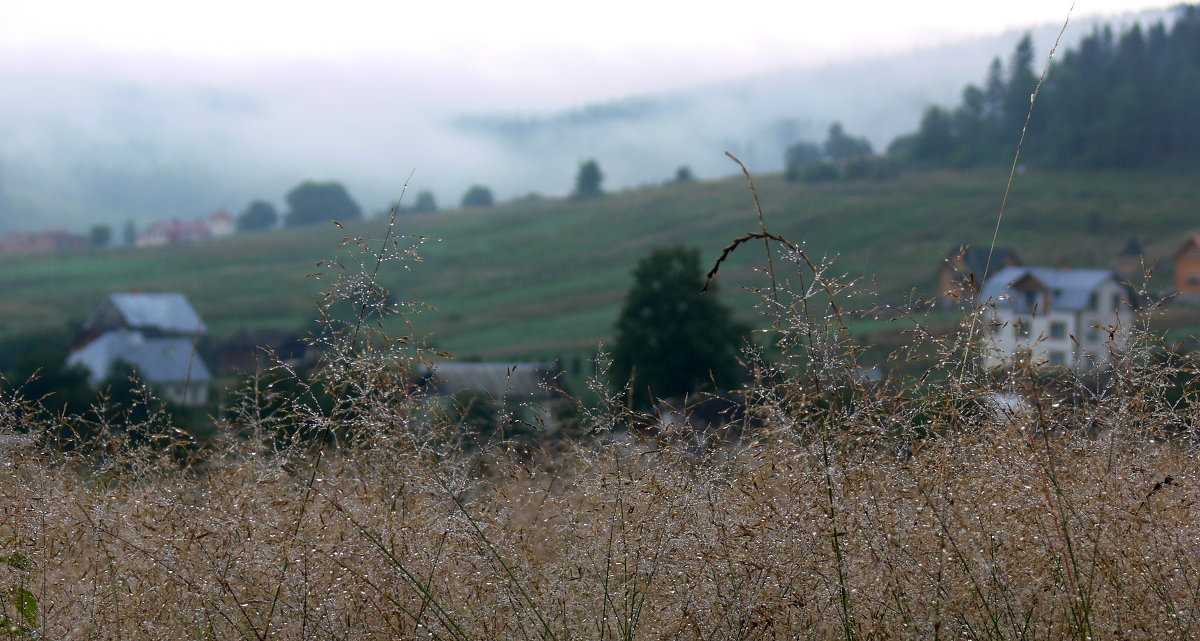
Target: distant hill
x,y
544,279
86,140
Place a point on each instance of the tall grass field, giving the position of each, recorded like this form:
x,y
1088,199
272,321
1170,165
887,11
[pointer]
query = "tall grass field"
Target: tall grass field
x,y
353,505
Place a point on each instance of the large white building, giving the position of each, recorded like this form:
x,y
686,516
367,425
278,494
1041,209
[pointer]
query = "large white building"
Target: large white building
x,y
1071,318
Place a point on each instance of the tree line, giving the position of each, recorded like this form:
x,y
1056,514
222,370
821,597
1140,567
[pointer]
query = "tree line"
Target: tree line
x,y
1127,100
1115,101
313,202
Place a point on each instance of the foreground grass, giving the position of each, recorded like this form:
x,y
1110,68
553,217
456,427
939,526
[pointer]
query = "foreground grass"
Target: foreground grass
x,y
997,533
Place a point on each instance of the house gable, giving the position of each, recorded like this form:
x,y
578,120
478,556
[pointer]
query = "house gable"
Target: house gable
x,y
1187,267
961,274
154,314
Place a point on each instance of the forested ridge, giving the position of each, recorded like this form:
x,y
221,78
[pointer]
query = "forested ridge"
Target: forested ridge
x,y
1127,100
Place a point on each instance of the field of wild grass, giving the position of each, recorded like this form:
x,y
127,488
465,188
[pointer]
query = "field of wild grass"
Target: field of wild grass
x,y
997,534
829,507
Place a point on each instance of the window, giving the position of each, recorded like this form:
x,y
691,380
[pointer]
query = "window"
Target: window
x,y
1193,278
1093,301
1058,358
1058,330
1031,300
1021,328
1093,334
1116,302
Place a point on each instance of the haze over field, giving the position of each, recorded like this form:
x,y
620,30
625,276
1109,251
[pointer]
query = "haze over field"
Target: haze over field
x,y
107,117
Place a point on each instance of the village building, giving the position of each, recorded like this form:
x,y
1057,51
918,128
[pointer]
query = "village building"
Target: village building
x,y
961,274
174,232
49,241
221,223
162,233
1073,318
1132,262
156,334
1187,269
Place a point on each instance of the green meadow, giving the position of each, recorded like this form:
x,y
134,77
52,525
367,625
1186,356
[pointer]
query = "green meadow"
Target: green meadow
x,y
540,279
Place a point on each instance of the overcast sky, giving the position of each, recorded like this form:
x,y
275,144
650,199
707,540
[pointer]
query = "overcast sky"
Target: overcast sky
x,y
545,51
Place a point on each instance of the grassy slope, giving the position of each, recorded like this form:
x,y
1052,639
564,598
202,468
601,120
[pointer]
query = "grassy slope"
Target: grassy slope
x,y
544,279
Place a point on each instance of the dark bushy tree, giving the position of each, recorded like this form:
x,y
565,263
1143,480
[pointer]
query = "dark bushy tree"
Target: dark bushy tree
x,y
478,196
44,375
840,146
258,215
587,181
425,203
803,153
684,175
312,202
99,236
799,156
811,162
935,141
671,339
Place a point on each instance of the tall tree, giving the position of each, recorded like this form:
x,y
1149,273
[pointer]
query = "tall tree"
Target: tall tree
x,y
478,196
587,181
841,146
259,215
315,202
671,339
935,140
994,89
425,203
129,233
5,202
1018,90
799,155
99,236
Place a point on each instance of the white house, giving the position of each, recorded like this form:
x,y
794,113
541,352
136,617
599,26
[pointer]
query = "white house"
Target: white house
x,y
156,334
1060,317
221,223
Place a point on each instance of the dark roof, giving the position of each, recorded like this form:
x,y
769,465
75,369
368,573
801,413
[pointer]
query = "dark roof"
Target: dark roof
x,y
975,259
167,313
1069,288
1193,240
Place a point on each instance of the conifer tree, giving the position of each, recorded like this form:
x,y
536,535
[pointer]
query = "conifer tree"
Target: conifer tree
x,y
672,339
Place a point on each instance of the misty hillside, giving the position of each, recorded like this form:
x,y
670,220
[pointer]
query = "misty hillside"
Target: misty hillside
x,y
544,279
104,140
